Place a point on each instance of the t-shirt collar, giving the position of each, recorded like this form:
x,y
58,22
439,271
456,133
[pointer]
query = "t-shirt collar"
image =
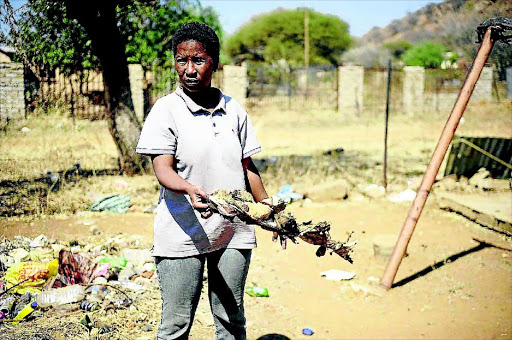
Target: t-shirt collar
x,y
194,107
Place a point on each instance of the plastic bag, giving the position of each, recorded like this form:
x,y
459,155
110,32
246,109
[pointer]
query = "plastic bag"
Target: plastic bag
x,y
114,203
35,274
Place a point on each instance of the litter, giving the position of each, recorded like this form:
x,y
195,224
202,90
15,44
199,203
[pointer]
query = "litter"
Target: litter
x,y
114,203
337,275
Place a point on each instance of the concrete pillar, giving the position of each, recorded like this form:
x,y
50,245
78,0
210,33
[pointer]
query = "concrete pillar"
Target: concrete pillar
x,y
413,89
234,83
137,89
350,88
508,76
483,88
12,88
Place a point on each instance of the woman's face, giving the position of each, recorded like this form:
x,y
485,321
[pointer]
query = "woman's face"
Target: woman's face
x,y
194,66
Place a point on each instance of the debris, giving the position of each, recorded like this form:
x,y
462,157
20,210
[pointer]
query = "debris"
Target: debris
x,y
256,291
240,203
115,262
74,268
337,275
287,195
24,277
29,308
114,203
60,296
308,331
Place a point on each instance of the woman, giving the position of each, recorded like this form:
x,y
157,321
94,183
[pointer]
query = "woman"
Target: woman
x,y
200,140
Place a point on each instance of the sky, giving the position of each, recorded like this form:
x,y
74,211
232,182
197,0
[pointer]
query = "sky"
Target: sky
x,y
361,15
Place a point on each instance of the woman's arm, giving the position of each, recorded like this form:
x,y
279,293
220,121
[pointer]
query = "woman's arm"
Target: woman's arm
x,y
163,165
257,188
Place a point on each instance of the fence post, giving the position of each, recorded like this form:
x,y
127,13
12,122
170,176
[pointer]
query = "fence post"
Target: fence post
x,y
12,100
137,89
350,88
414,86
235,82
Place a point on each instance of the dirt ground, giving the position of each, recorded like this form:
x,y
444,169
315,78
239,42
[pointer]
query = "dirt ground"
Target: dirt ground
x,y
449,287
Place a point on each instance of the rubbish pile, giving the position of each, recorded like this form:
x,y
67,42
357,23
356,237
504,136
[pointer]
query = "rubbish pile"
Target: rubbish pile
x,y
108,287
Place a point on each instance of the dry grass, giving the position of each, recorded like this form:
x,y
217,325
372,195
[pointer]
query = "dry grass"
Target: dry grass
x,y
55,143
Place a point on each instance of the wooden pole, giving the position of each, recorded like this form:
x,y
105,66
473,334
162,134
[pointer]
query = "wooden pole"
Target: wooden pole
x,y
435,162
385,170
306,47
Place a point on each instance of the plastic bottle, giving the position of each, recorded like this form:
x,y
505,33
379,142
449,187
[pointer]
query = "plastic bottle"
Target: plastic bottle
x,y
60,296
24,312
256,291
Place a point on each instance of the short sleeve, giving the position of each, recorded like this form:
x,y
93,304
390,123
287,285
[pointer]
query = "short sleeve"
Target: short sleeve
x,y
248,138
158,135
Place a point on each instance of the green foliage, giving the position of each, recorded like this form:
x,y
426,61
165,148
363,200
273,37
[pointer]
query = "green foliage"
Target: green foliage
x,y
148,28
428,54
279,36
397,48
47,38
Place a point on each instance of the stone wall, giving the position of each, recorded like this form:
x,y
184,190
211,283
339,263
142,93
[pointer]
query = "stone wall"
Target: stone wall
x,y
350,88
413,89
234,82
483,87
12,101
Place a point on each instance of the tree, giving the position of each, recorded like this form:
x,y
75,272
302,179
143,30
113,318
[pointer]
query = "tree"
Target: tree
x,y
397,48
279,36
75,35
428,54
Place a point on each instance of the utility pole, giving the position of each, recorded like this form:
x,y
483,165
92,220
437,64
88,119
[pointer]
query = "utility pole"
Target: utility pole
x,y
306,46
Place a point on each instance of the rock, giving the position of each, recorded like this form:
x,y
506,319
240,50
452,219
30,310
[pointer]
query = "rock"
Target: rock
x,y
25,129
333,190
372,190
448,183
94,230
147,328
150,209
480,175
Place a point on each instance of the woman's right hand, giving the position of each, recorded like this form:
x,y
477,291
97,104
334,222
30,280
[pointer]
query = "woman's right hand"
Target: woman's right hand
x,y
198,196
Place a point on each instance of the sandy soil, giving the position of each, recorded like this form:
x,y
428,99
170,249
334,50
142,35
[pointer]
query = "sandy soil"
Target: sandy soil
x,y
467,296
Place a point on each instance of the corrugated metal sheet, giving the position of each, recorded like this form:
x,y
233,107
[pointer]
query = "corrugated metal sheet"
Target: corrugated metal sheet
x,y
465,160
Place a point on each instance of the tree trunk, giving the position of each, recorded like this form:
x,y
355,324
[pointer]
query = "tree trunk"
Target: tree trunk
x,y
99,20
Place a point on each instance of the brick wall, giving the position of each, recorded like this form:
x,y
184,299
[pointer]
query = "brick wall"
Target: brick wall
x,y
12,102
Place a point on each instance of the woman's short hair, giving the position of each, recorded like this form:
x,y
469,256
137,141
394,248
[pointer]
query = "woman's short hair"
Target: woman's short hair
x,y
202,33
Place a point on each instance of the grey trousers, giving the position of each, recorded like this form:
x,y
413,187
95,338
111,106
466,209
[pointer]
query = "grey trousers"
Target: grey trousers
x,y
181,280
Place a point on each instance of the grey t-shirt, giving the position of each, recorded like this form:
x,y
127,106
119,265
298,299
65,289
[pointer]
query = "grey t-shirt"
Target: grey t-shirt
x,y
208,149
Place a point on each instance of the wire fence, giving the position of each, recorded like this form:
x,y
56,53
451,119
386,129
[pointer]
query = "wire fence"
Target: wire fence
x,y
268,88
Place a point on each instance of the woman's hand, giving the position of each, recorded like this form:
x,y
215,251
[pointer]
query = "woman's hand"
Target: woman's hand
x,y
198,196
